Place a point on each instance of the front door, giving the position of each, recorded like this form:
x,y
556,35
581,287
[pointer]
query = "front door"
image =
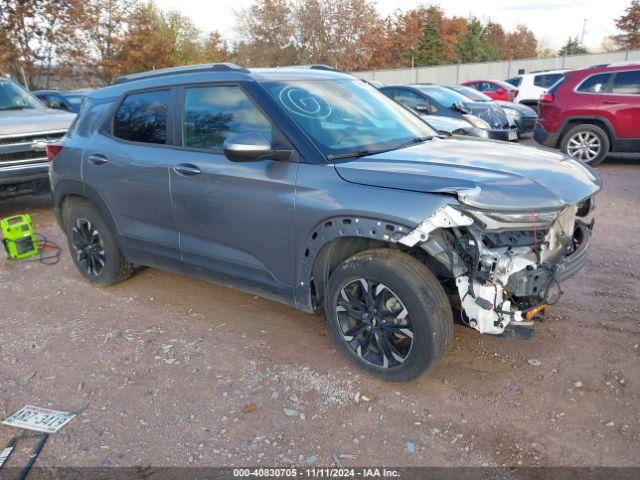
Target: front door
x,y
235,219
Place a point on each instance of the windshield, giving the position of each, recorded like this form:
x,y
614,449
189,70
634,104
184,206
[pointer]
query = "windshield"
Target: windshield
x,y
443,96
74,99
345,117
14,97
471,93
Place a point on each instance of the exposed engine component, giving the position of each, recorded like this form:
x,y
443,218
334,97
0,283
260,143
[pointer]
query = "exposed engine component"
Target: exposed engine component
x,y
503,275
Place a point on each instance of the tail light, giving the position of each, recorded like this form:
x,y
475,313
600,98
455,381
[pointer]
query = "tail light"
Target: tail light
x,y
546,97
515,93
53,149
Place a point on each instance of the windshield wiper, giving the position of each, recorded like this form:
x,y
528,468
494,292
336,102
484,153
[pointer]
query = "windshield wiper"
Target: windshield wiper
x,y
364,153
413,141
356,154
14,107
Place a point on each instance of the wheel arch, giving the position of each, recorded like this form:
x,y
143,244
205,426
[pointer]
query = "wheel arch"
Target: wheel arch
x,y
334,240
67,191
599,121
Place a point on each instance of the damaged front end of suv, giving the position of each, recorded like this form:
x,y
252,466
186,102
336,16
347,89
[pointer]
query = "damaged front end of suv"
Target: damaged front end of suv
x,y
507,266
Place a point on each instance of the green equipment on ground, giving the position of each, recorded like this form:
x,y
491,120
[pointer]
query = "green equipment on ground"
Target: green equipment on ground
x,y
18,237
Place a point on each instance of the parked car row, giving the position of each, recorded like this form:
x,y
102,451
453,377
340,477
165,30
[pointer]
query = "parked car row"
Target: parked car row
x,y
586,113
460,110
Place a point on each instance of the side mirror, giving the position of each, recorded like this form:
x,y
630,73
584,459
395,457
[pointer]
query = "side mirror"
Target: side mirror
x,y
252,147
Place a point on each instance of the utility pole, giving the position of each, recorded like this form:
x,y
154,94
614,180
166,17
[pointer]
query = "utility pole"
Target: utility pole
x,y
584,27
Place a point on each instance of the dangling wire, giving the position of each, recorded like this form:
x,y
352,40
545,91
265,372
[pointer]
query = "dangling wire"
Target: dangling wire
x,y
44,245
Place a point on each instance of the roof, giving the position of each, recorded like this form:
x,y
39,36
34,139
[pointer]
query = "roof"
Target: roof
x,y
215,71
608,67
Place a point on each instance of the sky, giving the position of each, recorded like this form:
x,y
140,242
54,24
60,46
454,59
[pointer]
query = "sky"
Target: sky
x,y
551,21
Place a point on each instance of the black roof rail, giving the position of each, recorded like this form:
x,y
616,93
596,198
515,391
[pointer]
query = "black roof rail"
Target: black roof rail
x,y
205,67
321,66
314,66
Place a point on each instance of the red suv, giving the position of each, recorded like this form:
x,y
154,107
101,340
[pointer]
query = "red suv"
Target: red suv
x,y
496,89
592,111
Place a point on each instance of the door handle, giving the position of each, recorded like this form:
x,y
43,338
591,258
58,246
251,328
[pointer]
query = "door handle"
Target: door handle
x,y
610,102
187,169
97,159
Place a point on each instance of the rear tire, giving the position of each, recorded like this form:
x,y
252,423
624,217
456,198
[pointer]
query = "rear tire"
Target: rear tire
x,y
93,245
586,143
408,318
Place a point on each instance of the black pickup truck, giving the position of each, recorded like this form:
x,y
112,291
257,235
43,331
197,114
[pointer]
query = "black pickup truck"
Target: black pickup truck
x,y
26,125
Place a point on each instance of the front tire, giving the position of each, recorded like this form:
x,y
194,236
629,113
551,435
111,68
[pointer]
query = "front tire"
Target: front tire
x,y
586,143
93,246
389,314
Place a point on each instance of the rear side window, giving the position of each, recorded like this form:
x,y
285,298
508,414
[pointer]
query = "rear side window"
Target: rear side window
x,y
627,83
515,81
487,87
142,117
595,83
213,114
547,80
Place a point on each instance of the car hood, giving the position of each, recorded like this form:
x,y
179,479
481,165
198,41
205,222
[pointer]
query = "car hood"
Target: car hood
x,y
445,124
522,109
483,174
13,122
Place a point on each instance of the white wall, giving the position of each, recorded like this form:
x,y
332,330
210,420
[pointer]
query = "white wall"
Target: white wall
x,y
493,70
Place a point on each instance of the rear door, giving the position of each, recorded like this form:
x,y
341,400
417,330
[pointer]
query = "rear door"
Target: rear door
x,y
127,164
235,219
623,104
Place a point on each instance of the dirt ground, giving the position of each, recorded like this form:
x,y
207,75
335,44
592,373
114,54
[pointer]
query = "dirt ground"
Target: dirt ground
x,y
172,371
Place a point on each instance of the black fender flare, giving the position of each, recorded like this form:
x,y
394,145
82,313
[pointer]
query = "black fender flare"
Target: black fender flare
x,y
331,229
68,187
597,118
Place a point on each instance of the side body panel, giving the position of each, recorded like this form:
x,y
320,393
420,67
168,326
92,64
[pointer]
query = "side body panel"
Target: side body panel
x,y
236,219
324,201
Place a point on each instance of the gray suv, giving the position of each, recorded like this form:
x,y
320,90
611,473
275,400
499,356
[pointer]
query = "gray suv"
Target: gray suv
x,y
310,187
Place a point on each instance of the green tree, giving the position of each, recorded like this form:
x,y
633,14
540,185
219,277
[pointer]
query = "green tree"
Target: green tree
x,y
430,48
629,24
572,47
473,45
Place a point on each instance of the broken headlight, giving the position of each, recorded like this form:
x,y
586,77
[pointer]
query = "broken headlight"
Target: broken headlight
x,y
513,220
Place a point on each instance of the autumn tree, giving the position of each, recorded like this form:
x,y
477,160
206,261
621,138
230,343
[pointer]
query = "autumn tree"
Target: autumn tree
x,y
334,32
450,30
629,25
156,39
496,36
573,46
108,20
41,34
473,46
214,49
266,30
521,43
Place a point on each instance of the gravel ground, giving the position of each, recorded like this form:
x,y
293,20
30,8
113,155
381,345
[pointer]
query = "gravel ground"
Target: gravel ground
x,y
172,371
